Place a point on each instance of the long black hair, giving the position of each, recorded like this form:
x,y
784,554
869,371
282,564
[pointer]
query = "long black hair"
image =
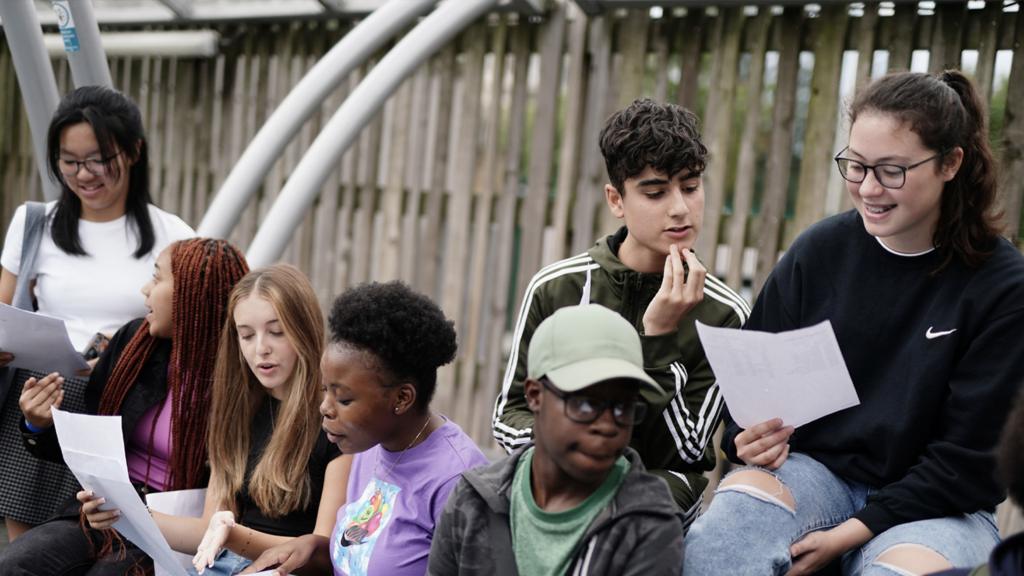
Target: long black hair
x,y
117,123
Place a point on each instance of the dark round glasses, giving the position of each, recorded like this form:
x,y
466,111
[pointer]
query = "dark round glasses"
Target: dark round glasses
x,y
584,410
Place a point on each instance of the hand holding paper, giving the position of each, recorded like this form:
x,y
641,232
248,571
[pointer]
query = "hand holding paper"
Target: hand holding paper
x,y
798,376
93,449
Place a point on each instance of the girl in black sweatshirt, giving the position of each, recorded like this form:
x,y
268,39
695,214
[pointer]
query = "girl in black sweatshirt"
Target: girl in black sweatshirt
x,y
927,301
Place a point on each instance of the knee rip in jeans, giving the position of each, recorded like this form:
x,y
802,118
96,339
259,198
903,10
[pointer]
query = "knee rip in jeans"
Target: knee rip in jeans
x,y
912,560
761,485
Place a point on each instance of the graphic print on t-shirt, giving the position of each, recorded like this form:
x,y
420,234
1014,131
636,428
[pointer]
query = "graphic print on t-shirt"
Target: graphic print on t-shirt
x,y
359,527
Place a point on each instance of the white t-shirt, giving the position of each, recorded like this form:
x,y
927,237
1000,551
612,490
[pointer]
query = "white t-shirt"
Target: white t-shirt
x,y
99,292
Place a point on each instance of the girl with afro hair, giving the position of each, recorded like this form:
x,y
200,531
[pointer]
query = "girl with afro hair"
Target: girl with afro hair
x,y
379,369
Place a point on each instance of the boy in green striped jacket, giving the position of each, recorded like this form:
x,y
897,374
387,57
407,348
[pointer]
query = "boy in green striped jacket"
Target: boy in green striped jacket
x,y
647,272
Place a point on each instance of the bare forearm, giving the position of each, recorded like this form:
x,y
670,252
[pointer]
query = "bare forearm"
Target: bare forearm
x,y
183,533
250,543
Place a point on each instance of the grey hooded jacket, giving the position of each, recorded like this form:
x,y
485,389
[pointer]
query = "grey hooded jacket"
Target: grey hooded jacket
x,y
639,532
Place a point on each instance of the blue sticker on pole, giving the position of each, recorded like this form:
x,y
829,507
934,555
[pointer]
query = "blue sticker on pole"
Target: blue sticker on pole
x,y
66,24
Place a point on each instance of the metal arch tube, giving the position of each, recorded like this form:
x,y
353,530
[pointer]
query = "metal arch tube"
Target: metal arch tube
x,y
88,64
254,164
35,76
305,183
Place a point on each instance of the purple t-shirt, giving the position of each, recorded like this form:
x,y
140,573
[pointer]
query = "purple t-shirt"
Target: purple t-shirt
x,y
152,468
394,502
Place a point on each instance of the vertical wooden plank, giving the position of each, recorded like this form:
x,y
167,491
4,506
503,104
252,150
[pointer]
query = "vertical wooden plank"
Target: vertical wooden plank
x,y
414,181
170,194
781,149
821,118
395,187
1013,137
253,96
453,295
475,342
866,34
429,262
689,57
901,47
346,224
719,131
757,30
505,212
633,38
590,186
218,162
282,63
369,158
203,126
568,161
325,224
987,46
660,42
947,36
534,208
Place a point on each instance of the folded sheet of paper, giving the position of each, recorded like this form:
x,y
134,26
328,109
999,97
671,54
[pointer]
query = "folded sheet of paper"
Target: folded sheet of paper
x,y
38,342
93,449
798,376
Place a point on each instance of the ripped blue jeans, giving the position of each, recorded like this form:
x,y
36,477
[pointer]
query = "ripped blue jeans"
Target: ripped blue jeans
x,y
748,531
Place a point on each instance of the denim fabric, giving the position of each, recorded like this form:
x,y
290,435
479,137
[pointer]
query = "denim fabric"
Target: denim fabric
x,y
227,564
750,534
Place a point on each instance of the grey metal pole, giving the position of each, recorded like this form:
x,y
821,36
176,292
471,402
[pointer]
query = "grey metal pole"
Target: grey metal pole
x,y
305,182
88,61
35,76
307,96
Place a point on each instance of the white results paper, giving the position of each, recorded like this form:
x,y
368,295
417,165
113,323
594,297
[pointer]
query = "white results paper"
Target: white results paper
x,y
798,376
93,449
38,342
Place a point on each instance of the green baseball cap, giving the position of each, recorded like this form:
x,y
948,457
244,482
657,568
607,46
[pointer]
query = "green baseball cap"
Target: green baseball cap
x,y
579,346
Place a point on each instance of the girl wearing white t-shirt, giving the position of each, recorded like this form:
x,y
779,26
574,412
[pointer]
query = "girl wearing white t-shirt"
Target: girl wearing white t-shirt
x,y
98,247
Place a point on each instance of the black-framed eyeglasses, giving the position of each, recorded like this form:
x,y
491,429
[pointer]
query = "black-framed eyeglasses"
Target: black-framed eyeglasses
x,y
584,410
94,166
892,176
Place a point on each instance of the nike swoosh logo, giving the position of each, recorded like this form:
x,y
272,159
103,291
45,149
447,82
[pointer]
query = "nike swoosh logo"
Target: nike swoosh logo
x,y
933,335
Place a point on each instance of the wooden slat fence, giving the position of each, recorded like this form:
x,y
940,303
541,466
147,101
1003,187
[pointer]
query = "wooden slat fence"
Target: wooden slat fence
x,y
484,165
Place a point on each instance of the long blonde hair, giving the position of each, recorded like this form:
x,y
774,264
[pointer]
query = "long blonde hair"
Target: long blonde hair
x,y
280,481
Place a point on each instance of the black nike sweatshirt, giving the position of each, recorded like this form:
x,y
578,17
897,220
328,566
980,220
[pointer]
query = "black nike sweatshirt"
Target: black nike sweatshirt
x,y
936,359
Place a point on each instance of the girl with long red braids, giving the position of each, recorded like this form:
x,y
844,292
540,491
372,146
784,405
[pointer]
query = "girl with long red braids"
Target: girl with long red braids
x,y
157,374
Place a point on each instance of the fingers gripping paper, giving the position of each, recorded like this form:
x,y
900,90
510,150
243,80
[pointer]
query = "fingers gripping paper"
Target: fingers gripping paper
x,y
798,376
93,449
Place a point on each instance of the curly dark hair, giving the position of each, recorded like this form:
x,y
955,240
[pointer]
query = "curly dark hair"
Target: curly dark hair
x,y
405,332
647,133
1010,455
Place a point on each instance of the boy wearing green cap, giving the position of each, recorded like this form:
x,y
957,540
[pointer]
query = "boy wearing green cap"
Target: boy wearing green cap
x,y
649,274
578,500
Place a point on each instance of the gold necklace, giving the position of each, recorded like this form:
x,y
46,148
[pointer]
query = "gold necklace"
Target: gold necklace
x,y
402,453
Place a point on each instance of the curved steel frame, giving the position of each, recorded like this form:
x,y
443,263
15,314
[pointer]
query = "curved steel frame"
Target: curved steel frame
x,y
268,144
306,181
35,76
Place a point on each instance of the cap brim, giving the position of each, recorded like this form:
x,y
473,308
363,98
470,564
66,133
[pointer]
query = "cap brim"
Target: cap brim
x,y
579,375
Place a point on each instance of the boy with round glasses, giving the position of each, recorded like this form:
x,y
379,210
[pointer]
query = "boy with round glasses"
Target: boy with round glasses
x,y
577,501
